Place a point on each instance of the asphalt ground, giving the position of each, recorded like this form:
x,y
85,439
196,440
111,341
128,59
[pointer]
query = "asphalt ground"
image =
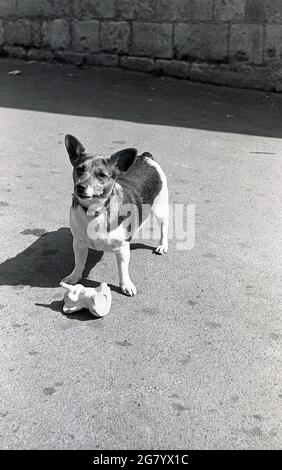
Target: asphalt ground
x,y
194,360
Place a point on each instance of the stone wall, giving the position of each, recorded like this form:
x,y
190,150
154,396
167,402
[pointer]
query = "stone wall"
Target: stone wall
x,y
233,42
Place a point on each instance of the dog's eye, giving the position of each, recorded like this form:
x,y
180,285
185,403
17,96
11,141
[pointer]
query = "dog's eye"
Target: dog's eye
x,y
80,170
101,174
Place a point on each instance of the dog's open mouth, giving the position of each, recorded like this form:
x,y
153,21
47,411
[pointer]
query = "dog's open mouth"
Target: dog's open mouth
x,y
83,196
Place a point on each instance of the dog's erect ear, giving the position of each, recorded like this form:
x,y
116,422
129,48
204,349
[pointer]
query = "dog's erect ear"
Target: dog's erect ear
x,y
124,158
74,147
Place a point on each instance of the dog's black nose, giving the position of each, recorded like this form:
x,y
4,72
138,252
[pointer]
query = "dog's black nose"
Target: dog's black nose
x,y
80,188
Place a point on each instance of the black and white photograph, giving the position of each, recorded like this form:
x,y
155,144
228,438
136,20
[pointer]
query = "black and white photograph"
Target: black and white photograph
x,y
140,228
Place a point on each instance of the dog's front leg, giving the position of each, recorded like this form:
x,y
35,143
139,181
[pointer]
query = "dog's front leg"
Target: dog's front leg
x,y
80,256
123,257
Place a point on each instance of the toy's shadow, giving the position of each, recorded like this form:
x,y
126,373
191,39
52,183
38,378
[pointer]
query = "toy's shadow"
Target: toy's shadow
x,y
81,315
48,260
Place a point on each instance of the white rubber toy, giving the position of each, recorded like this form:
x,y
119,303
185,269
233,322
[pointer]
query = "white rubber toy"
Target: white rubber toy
x,y
97,301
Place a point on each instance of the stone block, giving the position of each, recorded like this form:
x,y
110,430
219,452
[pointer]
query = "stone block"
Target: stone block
x,y
239,76
141,64
106,60
152,39
94,8
115,37
15,51
56,34
174,10
201,41
172,68
255,11
8,7
202,10
246,43
18,33
136,9
70,57
36,33
1,32
40,54
273,11
273,43
229,10
43,8
85,35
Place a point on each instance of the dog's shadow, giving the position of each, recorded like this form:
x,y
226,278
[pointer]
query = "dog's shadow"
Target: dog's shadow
x,y
47,261
42,264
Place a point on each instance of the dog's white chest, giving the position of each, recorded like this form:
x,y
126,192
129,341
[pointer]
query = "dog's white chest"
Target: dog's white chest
x,y
93,230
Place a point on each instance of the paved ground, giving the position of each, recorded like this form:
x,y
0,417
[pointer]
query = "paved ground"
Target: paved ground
x,y
193,360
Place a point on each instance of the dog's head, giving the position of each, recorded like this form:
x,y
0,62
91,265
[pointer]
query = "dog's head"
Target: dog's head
x,y
94,176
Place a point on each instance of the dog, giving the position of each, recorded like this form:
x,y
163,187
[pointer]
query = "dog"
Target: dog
x,y
104,189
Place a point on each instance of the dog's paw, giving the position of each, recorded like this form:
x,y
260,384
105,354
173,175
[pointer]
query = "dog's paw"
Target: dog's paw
x,y
71,279
161,249
128,288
